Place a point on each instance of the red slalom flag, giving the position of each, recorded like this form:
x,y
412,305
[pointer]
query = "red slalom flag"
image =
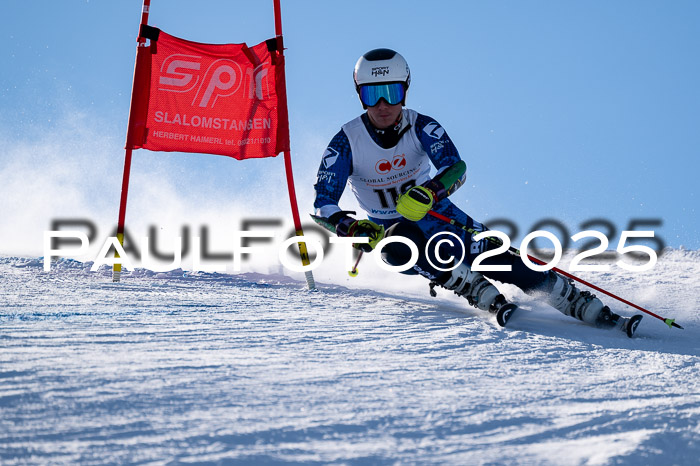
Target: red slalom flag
x,y
221,99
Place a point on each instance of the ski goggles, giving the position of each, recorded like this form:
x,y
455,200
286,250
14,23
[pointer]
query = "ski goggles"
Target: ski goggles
x,y
393,93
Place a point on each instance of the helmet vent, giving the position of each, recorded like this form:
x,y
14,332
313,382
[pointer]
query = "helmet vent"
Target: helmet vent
x,y
379,54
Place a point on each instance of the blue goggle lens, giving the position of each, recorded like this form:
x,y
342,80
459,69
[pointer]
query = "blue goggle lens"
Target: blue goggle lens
x,y
393,93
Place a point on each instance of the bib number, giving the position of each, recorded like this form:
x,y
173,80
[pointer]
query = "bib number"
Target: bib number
x,y
389,197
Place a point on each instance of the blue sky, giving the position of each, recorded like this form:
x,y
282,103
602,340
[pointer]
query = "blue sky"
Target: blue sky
x,y
566,110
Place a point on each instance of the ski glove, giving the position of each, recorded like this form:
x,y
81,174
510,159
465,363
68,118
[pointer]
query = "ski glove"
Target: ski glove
x,y
415,203
367,228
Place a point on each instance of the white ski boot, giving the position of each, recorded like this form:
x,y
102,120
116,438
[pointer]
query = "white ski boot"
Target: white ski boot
x,y
583,305
478,291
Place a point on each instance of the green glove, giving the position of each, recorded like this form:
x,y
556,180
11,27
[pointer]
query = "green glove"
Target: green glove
x,y
367,228
415,203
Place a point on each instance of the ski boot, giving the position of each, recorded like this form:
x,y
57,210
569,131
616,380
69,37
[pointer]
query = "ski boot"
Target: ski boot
x,y
584,305
607,319
478,291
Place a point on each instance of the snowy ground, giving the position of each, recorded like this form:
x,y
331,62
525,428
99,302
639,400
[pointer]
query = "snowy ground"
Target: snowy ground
x,y
210,368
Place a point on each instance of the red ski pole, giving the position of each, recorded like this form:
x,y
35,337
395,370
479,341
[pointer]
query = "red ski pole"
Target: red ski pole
x,y
669,322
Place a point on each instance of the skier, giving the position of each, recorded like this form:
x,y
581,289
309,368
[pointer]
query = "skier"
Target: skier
x,y
386,154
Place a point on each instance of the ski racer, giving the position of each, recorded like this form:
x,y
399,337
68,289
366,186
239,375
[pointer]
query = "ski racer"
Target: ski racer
x,y
386,154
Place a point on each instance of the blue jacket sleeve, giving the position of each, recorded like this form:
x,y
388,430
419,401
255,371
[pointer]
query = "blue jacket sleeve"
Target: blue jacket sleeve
x,y
436,142
333,173
444,155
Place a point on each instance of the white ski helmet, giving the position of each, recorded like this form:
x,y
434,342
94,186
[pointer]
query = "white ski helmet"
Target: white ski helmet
x,y
381,66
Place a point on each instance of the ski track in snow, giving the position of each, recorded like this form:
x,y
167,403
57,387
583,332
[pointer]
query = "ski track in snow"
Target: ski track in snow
x,y
209,368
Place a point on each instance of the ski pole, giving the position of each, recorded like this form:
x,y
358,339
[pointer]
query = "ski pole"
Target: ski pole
x,y
512,250
354,272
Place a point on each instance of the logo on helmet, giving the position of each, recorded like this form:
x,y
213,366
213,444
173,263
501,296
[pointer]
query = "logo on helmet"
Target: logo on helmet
x,y
380,71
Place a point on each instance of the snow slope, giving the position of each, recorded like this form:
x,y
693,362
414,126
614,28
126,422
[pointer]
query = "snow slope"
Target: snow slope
x,y
210,368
